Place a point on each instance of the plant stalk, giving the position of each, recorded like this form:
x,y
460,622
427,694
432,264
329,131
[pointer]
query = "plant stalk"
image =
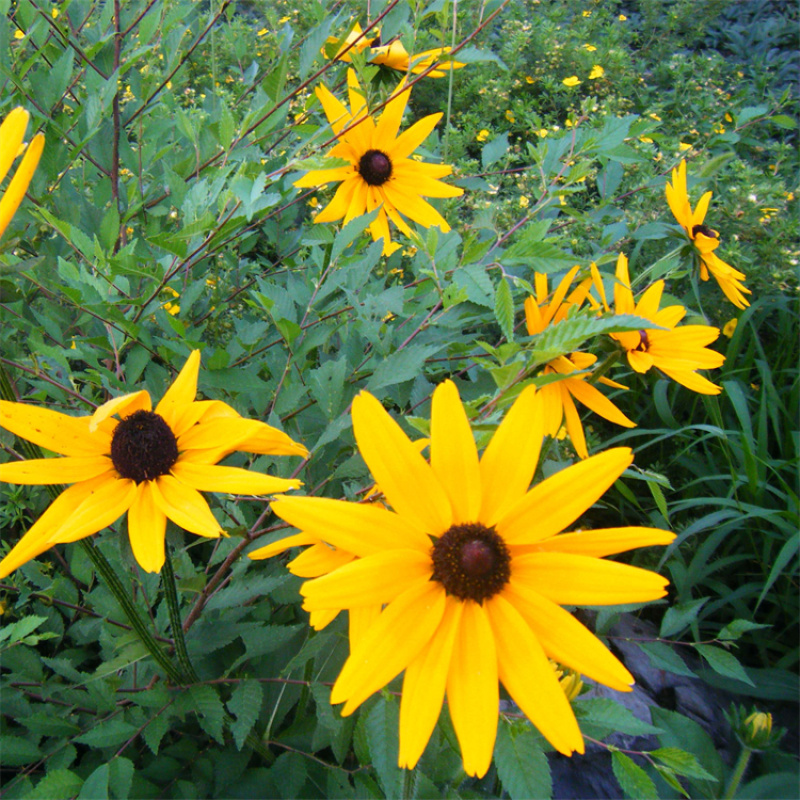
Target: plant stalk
x,y
738,773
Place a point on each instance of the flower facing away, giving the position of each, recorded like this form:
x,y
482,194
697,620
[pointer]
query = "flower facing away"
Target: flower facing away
x,y
705,240
392,55
151,463
12,133
465,576
559,397
380,174
677,352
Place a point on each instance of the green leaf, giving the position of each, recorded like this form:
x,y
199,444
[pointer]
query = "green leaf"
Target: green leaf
x,y
736,629
493,151
402,365
209,709
245,705
95,787
633,780
58,784
17,751
783,121
110,733
351,231
521,764
289,774
381,727
681,616
155,730
723,662
504,309
21,628
662,656
681,762
600,716
121,777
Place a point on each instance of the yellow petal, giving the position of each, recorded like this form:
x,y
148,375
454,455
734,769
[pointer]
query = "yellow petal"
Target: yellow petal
x,y
124,406
413,206
391,117
319,559
576,580
572,419
410,181
691,380
410,485
530,679
185,506
54,431
147,527
372,580
565,639
12,197
71,469
319,619
341,202
183,390
210,478
454,457
218,433
106,504
605,541
424,686
594,399
397,636
360,621
473,695
335,111
38,538
509,461
409,140
319,177
359,528
282,545
12,134
557,502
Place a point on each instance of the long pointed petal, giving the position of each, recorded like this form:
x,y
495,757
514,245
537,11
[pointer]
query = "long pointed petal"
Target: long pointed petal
x,y
12,197
319,559
71,469
602,542
12,134
147,528
182,392
185,506
282,545
124,405
211,478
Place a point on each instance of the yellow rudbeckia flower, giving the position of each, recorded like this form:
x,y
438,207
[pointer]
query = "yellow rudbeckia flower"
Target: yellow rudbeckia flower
x,y
12,133
381,175
677,352
152,464
559,397
705,239
465,577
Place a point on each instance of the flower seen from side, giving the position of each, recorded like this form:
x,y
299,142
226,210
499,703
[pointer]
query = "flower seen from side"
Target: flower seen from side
x,y
381,173
558,398
573,80
152,464
12,134
677,352
465,576
704,239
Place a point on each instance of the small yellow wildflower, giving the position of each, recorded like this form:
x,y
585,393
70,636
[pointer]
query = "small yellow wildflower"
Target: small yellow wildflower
x,y
589,47
19,34
646,139
54,13
524,202
789,195
622,18
597,72
587,13
510,116
283,19
729,327
482,136
573,80
313,202
568,123
655,117
728,117
684,146
528,79
541,133
263,32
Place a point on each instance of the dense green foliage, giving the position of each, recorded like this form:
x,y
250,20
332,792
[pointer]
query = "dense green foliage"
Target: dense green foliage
x,y
163,218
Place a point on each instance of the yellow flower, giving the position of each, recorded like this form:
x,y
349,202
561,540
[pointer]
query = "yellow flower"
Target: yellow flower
x,y
524,202
558,398
587,13
54,13
729,327
482,136
590,48
597,72
622,18
152,464
677,352
529,79
461,583
646,139
571,81
510,116
12,133
684,146
263,32
380,174
18,34
655,117
704,238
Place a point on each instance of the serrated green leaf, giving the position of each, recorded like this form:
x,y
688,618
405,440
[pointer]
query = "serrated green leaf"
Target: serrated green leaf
x,y
504,309
58,784
494,150
121,777
669,776
245,705
606,715
154,732
95,787
521,764
681,762
383,741
736,629
21,628
209,709
633,780
680,616
723,662
351,231
289,774
17,751
402,365
110,733
662,656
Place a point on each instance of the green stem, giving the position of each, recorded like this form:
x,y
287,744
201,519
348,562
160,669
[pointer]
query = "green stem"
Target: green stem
x,y
738,773
409,783
175,622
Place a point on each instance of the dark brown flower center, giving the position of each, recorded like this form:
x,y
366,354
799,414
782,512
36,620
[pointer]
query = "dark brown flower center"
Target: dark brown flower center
x,y
375,167
143,447
471,561
644,342
705,230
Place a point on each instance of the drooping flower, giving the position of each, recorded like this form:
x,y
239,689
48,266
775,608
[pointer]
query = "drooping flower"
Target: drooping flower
x,y
559,397
12,134
394,54
470,568
381,175
677,352
152,464
705,239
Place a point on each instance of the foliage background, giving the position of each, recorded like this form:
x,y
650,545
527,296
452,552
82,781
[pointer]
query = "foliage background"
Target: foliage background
x,y
164,219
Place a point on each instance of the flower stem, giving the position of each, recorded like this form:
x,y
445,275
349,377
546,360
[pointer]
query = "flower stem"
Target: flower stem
x,y
171,596
738,774
409,783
